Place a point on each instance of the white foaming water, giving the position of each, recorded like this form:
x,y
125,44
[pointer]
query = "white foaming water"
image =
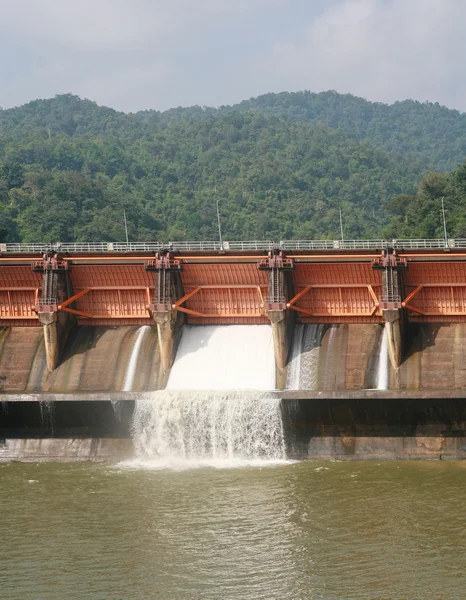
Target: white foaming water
x,y
303,366
220,429
224,357
202,418
382,367
133,359
331,364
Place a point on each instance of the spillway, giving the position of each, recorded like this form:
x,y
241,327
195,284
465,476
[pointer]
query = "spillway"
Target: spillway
x,y
181,427
216,408
382,367
226,357
133,359
305,354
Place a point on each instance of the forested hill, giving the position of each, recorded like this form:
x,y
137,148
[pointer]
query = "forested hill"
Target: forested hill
x,y
282,166
433,133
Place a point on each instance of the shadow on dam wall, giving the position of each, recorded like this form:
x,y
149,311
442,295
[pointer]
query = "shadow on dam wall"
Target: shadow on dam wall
x,y
349,357
95,360
346,357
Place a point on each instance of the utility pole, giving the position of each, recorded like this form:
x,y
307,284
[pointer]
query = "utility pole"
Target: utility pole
x,y
444,223
126,226
341,226
219,226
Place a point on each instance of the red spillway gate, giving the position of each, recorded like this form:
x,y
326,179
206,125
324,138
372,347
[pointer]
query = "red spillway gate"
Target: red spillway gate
x,y
224,287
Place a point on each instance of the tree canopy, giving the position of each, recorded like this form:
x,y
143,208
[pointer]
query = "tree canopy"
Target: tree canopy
x,y
281,165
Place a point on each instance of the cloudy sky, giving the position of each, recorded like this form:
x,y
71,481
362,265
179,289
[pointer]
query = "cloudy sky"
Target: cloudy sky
x,y
138,54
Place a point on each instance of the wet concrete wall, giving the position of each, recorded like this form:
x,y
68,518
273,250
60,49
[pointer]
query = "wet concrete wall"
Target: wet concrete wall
x,y
348,357
66,431
95,359
435,357
375,428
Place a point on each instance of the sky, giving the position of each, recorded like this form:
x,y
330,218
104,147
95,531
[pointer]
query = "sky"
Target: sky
x,y
157,54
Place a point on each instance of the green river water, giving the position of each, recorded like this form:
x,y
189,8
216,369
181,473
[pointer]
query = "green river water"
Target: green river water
x,y
288,532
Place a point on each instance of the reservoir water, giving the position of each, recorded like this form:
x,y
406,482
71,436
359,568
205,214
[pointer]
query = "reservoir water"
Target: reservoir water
x,y
353,530
211,509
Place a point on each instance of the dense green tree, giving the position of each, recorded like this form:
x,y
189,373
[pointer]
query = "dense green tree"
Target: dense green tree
x,y
281,166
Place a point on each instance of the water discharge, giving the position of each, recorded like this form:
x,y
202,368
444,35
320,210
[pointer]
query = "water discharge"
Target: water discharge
x,y
217,408
133,359
382,366
224,357
305,353
181,428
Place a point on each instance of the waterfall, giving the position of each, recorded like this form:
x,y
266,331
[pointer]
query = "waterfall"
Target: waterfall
x,y
179,428
130,373
331,361
382,366
216,409
224,357
46,416
303,366
133,359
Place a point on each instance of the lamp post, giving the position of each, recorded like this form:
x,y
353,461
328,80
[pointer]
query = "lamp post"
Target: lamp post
x,y
219,226
444,224
126,226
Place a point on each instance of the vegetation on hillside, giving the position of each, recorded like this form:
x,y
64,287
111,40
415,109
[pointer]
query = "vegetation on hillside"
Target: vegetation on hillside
x,y
281,166
420,215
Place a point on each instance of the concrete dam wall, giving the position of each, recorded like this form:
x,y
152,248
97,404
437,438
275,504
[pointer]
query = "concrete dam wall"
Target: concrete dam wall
x,y
331,357
336,350
342,399
95,359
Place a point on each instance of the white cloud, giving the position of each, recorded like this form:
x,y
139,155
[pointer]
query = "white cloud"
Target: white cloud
x,y
381,50
134,54
103,23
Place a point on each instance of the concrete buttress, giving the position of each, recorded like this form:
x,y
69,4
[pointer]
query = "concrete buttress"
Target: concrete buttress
x,y
168,289
56,323
394,326
390,302
282,320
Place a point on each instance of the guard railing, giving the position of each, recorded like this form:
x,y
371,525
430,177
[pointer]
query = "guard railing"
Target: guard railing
x,y
238,246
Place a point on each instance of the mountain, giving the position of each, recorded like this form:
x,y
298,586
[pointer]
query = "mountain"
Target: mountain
x,y
434,134
282,165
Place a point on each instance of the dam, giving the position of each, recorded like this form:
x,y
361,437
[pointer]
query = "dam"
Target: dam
x,y
233,351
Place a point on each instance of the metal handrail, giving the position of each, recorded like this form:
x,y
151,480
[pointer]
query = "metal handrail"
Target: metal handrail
x,y
428,243
215,246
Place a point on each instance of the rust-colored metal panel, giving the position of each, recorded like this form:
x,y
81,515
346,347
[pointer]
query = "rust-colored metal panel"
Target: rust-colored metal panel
x,y
231,321
238,299
115,322
435,291
197,274
336,273
19,276
117,296
114,304
19,287
337,293
434,272
84,276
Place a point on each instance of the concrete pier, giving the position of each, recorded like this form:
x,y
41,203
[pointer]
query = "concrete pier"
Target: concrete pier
x,y
57,289
394,322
